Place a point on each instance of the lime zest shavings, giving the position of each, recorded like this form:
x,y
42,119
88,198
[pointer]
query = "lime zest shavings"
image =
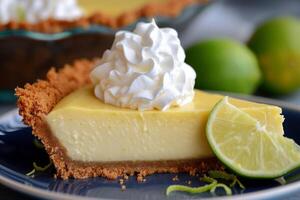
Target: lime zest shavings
x,y
38,144
37,168
191,190
281,180
41,169
208,179
31,173
222,185
221,175
212,184
225,176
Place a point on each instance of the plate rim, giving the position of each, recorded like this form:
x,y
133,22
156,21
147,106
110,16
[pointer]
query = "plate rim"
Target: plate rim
x,y
262,194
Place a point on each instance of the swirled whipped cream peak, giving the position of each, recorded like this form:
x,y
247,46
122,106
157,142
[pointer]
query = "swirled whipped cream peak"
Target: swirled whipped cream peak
x,y
33,11
144,70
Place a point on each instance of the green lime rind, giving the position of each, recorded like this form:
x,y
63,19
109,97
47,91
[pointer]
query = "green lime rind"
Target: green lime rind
x,y
38,144
37,168
41,169
267,174
31,173
216,174
221,185
212,185
191,190
276,44
226,65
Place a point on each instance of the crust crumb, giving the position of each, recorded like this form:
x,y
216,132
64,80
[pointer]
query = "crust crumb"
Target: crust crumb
x,y
175,178
121,181
125,177
193,172
123,187
139,178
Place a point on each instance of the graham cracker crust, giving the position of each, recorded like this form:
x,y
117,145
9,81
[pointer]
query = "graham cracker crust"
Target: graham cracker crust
x,y
170,8
36,100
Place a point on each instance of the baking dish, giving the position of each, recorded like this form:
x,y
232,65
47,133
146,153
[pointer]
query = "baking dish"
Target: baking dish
x,y
26,55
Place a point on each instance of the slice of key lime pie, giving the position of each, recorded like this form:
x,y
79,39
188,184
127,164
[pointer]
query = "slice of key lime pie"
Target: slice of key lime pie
x,y
134,111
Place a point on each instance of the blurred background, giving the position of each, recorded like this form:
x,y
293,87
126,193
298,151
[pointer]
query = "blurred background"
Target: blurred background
x,y
270,25
235,46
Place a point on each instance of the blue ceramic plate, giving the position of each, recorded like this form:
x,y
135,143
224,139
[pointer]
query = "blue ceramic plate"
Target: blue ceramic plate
x,y
17,152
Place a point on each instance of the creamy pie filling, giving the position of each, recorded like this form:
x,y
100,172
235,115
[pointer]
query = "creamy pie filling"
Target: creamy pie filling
x,y
92,131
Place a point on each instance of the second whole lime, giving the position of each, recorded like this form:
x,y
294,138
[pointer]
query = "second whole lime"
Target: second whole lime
x,y
277,46
225,65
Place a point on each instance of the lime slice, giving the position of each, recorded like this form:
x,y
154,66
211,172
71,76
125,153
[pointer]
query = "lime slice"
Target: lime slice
x,y
245,146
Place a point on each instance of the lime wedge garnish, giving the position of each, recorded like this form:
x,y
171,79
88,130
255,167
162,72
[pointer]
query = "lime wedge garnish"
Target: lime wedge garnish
x,y
245,146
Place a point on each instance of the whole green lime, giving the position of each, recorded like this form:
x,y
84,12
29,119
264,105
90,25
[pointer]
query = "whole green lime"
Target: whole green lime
x,y
277,46
224,64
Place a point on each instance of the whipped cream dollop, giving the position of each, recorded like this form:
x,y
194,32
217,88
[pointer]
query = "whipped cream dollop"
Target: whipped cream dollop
x,y
144,70
33,11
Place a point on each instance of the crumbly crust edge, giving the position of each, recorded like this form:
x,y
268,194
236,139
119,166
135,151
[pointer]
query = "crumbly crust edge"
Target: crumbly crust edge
x,y
36,100
170,8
